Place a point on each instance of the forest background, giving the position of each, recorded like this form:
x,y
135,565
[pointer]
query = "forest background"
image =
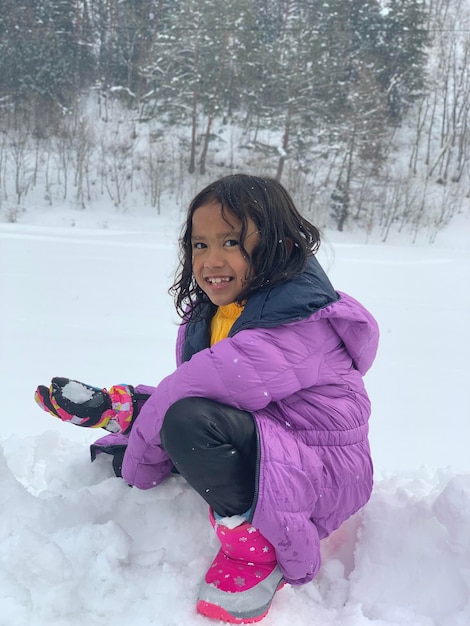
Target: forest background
x,y
360,107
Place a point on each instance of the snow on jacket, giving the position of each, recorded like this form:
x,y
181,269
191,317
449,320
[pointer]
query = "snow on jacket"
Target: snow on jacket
x,y
295,359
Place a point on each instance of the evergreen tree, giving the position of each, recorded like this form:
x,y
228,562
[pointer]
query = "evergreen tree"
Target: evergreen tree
x,y
43,50
402,52
128,29
195,69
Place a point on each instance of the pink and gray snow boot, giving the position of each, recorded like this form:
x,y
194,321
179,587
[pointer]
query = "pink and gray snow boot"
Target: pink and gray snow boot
x,y
244,576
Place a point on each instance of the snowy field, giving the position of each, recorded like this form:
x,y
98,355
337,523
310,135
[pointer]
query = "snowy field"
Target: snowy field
x,y
78,546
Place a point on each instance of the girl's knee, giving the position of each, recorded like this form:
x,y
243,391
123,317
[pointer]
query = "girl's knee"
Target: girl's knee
x,y
173,420
178,420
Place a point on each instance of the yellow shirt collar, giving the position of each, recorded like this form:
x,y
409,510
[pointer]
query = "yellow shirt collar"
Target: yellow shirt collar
x,y
223,321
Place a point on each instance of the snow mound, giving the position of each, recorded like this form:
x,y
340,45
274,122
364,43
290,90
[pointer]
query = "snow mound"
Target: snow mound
x,y
78,546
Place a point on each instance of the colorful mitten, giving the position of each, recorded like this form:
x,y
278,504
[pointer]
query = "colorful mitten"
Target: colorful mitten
x,y
84,405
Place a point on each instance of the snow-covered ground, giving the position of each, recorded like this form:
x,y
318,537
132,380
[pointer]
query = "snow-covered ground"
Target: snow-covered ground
x,y
78,546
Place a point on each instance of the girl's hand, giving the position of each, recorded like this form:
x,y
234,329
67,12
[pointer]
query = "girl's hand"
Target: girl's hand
x,y
87,406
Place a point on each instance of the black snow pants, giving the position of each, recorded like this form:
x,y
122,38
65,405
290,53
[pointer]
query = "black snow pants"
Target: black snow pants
x,y
214,447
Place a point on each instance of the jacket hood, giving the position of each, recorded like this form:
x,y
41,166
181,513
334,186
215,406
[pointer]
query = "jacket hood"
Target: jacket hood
x,y
296,299
356,328
311,295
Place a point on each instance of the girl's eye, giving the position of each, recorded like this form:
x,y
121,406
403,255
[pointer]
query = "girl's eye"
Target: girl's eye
x,y
198,245
231,242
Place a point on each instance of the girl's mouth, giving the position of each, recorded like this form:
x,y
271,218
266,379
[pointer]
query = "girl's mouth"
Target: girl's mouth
x,y
218,280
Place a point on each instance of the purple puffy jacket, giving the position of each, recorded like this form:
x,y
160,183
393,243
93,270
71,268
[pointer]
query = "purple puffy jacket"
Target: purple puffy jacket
x,y
295,359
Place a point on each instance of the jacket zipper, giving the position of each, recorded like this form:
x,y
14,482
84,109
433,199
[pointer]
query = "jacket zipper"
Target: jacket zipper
x,y
257,469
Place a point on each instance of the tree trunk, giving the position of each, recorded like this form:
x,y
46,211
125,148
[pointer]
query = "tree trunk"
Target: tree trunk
x,y
215,98
285,143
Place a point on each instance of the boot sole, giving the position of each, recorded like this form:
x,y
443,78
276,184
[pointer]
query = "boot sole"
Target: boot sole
x,y
214,611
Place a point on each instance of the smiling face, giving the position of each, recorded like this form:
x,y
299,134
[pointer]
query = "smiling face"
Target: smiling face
x,y
218,264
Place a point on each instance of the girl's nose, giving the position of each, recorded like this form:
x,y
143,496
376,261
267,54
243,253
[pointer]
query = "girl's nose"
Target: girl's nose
x,y
214,258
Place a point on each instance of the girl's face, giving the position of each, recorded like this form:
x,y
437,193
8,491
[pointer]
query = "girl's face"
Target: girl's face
x,y
219,267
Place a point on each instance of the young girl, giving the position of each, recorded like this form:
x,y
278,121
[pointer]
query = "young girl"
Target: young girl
x,y
266,414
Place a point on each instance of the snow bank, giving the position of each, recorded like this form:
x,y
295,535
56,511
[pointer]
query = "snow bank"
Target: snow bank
x,y
78,546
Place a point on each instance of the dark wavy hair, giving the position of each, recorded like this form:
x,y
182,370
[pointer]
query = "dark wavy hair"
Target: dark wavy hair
x,y
286,238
